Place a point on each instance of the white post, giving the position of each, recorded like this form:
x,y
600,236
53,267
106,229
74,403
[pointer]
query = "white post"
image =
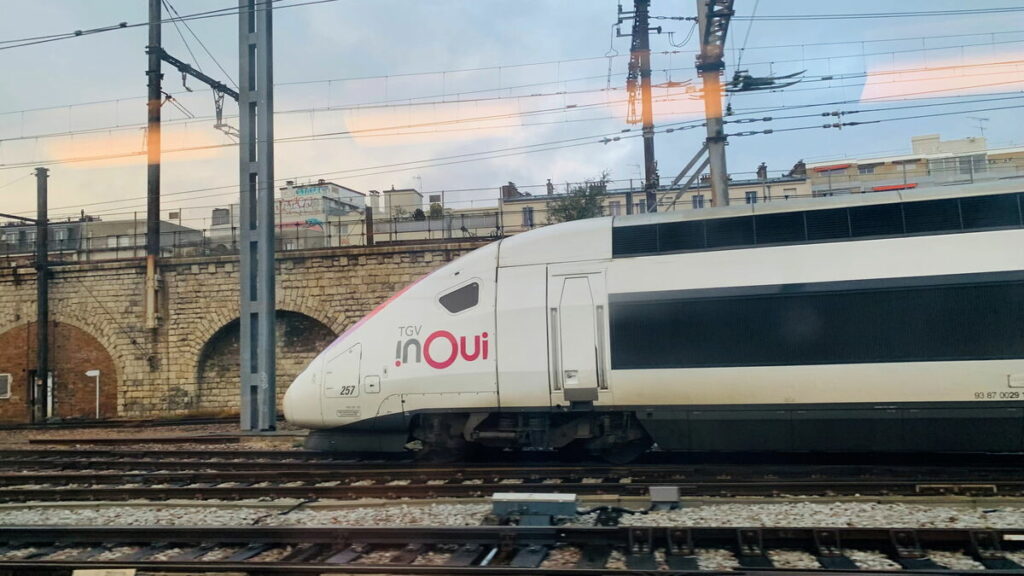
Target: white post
x,y
96,374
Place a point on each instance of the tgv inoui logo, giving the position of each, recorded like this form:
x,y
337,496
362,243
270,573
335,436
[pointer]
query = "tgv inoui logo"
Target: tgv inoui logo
x,y
440,349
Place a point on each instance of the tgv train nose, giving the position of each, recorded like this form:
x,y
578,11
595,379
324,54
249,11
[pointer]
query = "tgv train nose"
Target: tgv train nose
x,y
302,401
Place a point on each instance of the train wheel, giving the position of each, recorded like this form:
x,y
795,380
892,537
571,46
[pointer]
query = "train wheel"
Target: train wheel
x,y
441,436
443,454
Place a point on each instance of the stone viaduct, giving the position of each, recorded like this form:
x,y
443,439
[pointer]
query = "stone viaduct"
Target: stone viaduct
x,y
189,365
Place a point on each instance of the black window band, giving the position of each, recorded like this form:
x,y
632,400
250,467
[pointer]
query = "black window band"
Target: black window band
x,y
884,321
940,216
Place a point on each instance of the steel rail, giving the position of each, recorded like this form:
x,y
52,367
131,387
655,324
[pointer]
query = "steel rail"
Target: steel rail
x,y
115,493
93,457
491,549
208,479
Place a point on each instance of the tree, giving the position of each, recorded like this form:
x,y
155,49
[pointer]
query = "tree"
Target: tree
x,y
418,215
436,210
582,201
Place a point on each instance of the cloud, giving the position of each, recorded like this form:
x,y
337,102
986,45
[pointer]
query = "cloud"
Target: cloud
x,y
959,77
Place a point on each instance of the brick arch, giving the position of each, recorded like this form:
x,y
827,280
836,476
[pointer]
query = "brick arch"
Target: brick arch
x,y
215,366
104,334
76,348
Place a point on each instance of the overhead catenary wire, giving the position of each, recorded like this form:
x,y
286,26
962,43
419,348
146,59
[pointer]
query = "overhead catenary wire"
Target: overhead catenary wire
x,y
575,142
823,78
412,100
887,15
181,35
218,13
593,139
878,121
178,18
563,62
739,54
472,119
321,136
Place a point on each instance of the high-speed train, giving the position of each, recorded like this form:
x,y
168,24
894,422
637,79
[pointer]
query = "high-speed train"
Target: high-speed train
x,y
890,321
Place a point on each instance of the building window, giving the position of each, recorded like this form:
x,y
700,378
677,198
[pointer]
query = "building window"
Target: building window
x,y
971,164
698,200
615,208
5,386
221,217
866,169
461,298
641,206
751,196
528,217
111,241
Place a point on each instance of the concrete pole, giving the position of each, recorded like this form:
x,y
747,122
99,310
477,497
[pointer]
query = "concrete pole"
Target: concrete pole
x,y
642,43
40,397
153,162
710,66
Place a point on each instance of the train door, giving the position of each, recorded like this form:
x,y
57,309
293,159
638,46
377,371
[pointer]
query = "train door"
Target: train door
x,y
577,329
341,385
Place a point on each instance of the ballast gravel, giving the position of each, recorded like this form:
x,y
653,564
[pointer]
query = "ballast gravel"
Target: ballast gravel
x,y
794,559
169,515
836,514
716,559
954,560
832,515
871,560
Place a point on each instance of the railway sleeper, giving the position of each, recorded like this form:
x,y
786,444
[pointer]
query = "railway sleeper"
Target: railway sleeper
x,y
637,549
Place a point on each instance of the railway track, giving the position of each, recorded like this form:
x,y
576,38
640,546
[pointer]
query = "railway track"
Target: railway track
x,y
507,550
359,481
118,475
123,423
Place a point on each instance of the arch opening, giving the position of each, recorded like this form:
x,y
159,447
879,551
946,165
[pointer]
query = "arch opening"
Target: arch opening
x,y
299,339
73,395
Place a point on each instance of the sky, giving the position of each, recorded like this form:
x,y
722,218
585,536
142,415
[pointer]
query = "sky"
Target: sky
x,y
465,96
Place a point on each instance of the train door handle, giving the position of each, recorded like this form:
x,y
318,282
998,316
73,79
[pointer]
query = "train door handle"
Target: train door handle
x,y
555,351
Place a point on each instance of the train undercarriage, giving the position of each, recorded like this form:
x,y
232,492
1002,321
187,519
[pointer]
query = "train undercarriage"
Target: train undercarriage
x,y
617,437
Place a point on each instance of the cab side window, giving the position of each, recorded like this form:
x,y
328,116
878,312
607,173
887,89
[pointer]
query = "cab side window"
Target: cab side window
x,y
462,298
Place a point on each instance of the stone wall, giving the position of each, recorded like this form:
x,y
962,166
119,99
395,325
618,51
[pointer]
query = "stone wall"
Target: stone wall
x,y
158,372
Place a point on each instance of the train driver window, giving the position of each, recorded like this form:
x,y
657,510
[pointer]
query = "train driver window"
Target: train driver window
x,y
462,298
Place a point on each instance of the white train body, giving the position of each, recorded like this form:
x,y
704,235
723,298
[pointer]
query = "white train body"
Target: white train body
x,y
738,328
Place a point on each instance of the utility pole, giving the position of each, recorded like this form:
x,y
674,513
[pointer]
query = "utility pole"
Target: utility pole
x,y
640,68
256,164
41,394
713,24
153,162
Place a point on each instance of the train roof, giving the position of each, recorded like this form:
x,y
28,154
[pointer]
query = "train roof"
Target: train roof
x,y
635,235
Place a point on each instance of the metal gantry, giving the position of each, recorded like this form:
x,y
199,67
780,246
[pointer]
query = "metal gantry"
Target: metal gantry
x,y
256,165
